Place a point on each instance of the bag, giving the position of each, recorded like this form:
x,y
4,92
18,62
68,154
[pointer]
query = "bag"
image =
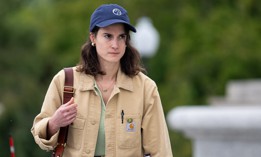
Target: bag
x,y
68,93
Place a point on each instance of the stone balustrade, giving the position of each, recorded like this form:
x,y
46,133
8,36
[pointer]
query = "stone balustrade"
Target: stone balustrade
x,y
220,131
229,127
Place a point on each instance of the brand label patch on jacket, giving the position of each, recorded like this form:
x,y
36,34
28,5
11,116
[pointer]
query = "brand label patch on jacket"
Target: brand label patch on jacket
x,y
130,126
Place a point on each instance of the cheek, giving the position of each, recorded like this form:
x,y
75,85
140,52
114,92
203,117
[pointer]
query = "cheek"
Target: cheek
x,y
100,48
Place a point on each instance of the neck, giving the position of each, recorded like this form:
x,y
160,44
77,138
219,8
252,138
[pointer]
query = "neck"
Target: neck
x,y
106,82
111,73
106,77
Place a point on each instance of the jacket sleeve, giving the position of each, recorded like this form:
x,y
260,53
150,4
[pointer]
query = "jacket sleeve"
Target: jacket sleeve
x,y
155,134
52,101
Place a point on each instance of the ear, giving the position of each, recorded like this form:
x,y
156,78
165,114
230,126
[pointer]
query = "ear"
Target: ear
x,y
92,37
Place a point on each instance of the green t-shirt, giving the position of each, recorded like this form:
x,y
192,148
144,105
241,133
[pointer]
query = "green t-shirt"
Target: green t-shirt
x,y
100,145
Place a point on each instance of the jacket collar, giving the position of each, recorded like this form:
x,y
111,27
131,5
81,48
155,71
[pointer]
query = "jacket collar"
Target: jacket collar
x,y
124,81
86,82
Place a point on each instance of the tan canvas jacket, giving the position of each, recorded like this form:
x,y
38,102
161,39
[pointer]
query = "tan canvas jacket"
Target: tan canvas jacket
x,y
142,131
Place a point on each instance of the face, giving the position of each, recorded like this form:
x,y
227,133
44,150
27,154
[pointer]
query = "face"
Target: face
x,y
110,43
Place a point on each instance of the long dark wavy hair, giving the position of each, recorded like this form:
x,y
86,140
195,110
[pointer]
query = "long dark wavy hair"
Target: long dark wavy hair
x,y
130,62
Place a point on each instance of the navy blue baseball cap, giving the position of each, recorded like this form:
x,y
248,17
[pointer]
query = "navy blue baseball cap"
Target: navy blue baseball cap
x,y
108,14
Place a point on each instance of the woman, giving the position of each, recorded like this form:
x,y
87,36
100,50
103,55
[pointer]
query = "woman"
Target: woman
x,y
116,110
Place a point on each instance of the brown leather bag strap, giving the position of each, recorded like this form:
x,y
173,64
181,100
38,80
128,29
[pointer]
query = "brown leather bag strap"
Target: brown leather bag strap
x,y
68,92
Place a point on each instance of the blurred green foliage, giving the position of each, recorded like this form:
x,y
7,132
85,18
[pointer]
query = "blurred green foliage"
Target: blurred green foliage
x,y
204,44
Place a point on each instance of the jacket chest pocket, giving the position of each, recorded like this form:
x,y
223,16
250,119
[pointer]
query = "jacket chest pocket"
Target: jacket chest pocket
x,y
75,134
130,131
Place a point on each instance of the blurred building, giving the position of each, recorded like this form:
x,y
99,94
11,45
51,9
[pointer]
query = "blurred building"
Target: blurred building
x,y
240,92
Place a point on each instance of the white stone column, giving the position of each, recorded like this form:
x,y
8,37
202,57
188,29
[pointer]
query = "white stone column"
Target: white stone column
x,y
220,131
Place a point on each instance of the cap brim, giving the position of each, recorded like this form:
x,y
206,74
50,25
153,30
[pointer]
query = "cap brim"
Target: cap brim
x,y
114,21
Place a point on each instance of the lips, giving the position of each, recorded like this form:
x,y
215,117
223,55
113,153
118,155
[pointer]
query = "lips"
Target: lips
x,y
114,53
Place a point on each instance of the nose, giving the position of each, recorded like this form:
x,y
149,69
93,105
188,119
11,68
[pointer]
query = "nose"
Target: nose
x,y
114,43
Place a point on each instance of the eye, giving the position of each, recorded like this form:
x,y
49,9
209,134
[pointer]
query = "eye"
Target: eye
x,y
123,36
107,36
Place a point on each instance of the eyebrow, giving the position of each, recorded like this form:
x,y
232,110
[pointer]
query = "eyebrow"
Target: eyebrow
x,y
111,33
105,33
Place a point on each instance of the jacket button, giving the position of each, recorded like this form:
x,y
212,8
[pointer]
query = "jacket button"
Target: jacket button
x,y
93,122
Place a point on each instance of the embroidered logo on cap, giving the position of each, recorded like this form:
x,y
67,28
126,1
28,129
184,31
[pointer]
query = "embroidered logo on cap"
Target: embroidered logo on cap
x,y
117,12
